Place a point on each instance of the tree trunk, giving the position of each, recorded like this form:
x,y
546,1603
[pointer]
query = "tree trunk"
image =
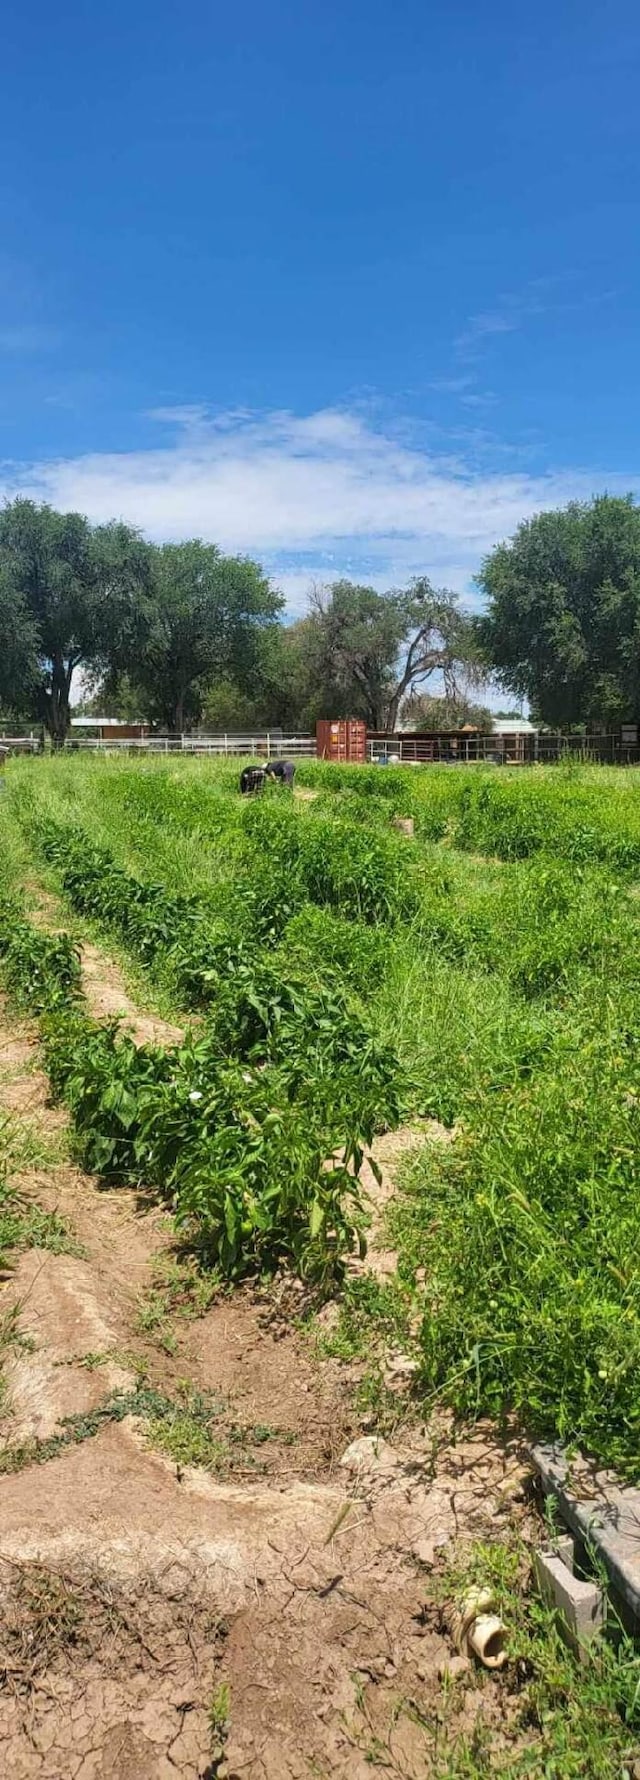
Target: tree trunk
x,y
392,713
57,714
178,709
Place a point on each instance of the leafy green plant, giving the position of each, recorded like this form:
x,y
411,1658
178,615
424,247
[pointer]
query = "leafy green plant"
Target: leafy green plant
x,y
527,1228
40,969
253,1131
176,930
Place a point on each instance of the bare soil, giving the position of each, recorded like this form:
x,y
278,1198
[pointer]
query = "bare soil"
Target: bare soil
x,y
134,1591
108,999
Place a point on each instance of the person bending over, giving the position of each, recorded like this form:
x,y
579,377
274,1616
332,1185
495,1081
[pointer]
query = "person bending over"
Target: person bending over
x,y
282,770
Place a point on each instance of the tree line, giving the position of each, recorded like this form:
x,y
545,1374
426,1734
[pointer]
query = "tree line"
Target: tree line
x,y
181,634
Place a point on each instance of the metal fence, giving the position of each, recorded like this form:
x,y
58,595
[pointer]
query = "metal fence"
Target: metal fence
x,y
269,745
511,749
514,749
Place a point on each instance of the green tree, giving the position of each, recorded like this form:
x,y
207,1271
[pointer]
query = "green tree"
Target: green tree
x,y
370,650
78,591
209,619
562,626
19,667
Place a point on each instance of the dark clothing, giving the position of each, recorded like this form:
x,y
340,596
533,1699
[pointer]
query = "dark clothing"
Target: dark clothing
x,y
251,780
282,770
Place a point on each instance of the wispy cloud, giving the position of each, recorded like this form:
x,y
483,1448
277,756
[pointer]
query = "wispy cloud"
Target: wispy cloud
x,y
482,327
510,313
313,496
560,294
453,386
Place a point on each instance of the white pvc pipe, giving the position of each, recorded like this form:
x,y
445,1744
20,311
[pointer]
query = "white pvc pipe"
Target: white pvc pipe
x,y
475,1627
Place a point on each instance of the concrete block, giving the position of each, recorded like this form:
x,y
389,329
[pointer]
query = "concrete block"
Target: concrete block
x,y
604,1514
580,1605
564,1547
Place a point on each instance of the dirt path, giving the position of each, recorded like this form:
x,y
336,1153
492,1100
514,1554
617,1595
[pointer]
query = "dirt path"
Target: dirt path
x,y
268,1621
108,999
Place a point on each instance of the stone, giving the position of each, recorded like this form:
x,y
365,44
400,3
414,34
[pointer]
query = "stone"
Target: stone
x,y
370,1453
424,1551
454,1667
402,1366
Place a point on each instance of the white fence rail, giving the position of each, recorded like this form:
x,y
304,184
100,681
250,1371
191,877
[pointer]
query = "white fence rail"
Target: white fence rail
x,y
20,744
270,745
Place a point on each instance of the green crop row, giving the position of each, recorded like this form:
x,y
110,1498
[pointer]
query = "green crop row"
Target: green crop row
x,y
160,927
253,1131
590,815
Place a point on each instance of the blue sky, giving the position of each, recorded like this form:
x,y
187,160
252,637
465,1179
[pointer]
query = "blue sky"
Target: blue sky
x,y
352,287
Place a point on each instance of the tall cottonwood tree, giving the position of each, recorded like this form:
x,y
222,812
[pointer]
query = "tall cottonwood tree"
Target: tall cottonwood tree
x,y
373,649
78,591
208,619
562,626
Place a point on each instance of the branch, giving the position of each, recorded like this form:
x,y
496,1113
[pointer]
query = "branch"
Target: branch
x,y
420,670
73,661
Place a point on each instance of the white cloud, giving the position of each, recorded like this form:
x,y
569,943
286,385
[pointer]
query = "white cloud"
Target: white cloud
x,y
312,496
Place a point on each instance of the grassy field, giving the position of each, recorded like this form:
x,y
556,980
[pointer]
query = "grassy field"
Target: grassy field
x,y
344,979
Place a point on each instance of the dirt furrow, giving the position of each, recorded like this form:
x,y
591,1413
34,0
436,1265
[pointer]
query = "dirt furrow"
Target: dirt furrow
x,y
158,1619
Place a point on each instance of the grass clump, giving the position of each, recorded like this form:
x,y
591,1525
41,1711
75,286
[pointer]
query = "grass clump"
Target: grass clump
x,y
189,1428
372,1315
180,1291
23,1225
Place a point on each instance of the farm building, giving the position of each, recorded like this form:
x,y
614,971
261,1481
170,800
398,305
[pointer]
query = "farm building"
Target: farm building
x,y
103,729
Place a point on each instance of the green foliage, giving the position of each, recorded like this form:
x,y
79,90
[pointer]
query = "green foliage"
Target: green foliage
x,y
239,1146
317,940
206,617
423,711
528,1228
587,815
563,619
41,970
177,931
373,1314
370,649
254,1130
497,964
219,1709
183,1428
294,859
75,588
23,1225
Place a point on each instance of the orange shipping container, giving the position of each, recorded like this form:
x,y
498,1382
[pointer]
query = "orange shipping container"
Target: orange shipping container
x,y
342,739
